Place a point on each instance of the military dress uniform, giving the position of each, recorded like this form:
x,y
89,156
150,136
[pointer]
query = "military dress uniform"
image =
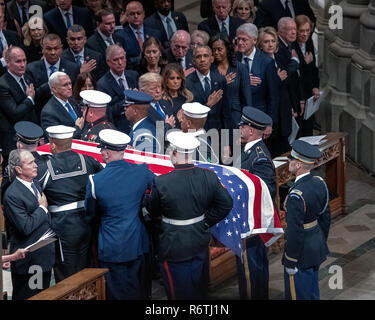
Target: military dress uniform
x,y
115,196
90,131
95,99
308,220
64,185
189,200
257,160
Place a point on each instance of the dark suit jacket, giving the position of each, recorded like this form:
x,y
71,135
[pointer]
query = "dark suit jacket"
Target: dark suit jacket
x,y
309,72
219,117
12,39
96,43
56,22
211,26
265,96
101,66
54,114
133,51
13,12
26,223
14,107
188,58
270,11
115,109
37,73
238,92
155,23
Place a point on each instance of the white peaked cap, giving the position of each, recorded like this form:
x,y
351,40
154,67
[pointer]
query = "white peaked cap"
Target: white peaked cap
x,y
195,110
60,132
95,98
184,142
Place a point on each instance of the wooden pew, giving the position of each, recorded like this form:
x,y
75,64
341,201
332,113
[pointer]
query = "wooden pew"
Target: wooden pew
x,y
88,284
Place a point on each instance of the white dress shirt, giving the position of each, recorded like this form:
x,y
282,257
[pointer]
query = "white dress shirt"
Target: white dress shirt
x,y
251,58
122,77
63,12
250,144
27,184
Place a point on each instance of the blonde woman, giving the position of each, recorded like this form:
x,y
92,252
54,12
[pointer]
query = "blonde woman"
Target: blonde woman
x,y
33,32
244,9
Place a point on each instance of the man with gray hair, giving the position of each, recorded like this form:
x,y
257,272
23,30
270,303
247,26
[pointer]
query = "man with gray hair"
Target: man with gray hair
x,y
180,51
58,110
27,219
114,82
221,22
262,71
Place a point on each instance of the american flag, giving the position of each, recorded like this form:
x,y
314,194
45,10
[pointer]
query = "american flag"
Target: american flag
x,y
253,211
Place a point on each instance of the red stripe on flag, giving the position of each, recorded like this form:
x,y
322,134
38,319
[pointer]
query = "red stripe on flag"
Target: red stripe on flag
x,y
257,199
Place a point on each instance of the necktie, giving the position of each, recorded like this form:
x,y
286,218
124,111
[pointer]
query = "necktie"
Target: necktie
x,y
1,45
140,40
159,110
52,70
223,28
288,13
110,41
22,82
24,16
247,60
121,84
207,87
78,60
169,27
68,24
36,192
71,111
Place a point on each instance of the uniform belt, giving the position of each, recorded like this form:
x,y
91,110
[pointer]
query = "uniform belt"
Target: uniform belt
x,y
310,224
67,207
183,222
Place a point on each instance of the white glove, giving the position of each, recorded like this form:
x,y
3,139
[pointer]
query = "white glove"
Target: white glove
x,y
291,271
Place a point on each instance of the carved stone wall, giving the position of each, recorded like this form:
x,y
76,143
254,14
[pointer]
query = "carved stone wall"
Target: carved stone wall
x,y
348,63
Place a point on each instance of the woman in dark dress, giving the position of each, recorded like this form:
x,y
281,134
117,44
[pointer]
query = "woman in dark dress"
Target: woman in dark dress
x,y
238,80
175,93
153,57
33,32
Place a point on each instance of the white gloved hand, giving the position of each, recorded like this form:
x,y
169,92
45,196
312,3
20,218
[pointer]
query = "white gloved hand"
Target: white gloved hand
x,y
291,271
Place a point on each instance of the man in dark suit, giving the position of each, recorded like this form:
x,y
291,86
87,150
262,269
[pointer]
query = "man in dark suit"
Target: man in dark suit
x,y
27,219
180,52
271,11
114,82
86,59
39,71
58,110
209,89
61,18
263,76
166,21
104,36
16,99
257,160
136,33
8,38
18,10
221,21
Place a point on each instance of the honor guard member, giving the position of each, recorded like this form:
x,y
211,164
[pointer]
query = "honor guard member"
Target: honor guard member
x,y
65,187
115,195
193,119
253,271
94,113
190,200
28,135
143,131
308,220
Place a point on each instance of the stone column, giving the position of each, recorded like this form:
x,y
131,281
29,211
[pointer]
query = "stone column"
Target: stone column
x,y
363,90
338,67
